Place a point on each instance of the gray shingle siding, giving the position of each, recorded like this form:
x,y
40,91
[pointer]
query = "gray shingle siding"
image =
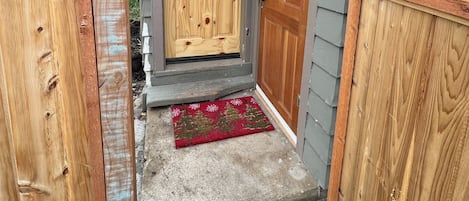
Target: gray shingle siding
x,y
324,87
332,32
339,6
315,165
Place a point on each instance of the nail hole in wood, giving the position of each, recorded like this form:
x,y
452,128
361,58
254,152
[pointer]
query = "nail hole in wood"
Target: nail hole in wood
x,y
40,29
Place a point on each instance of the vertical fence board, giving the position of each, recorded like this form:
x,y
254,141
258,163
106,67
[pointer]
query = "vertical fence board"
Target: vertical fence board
x,y
42,81
90,71
113,55
8,185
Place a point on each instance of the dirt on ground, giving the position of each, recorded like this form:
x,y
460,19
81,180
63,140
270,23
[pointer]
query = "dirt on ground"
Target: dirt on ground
x,y
138,75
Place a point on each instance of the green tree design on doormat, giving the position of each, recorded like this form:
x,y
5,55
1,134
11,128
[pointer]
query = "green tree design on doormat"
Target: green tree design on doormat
x,y
193,126
255,119
226,118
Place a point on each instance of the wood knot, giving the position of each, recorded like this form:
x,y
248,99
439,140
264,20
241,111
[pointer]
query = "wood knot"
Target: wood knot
x,y
45,57
188,43
52,83
49,114
40,29
207,20
65,171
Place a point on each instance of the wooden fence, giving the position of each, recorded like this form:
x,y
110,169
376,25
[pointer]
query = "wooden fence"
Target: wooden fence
x,y
66,126
403,122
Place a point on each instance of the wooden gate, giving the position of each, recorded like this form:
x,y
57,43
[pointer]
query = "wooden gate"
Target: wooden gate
x,y
201,27
43,116
408,122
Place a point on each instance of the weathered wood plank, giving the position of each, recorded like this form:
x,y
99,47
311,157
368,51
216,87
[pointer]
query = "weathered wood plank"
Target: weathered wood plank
x,y
8,178
43,87
90,74
458,8
430,10
442,146
114,71
407,133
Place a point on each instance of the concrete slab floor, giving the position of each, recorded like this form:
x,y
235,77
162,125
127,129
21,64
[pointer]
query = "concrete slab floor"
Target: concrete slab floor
x,y
258,167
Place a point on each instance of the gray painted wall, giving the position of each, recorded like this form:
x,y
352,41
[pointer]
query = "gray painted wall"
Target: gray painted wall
x,y
324,87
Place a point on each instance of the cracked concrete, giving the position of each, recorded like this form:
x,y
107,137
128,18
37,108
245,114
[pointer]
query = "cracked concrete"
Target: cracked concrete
x,y
258,167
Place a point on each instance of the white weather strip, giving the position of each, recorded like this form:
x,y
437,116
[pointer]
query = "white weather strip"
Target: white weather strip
x,y
277,115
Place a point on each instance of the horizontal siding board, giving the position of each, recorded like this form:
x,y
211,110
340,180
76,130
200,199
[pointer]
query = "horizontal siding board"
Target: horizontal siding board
x,y
330,26
319,169
319,140
323,113
339,6
327,56
325,85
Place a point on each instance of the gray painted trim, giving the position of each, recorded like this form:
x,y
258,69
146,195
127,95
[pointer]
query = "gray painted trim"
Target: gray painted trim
x,y
254,36
306,76
159,60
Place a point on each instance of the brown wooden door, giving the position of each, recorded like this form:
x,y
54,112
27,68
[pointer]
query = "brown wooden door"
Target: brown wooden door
x,y
201,27
281,48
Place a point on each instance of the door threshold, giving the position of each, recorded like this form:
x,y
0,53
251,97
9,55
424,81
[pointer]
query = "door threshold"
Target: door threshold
x,y
277,117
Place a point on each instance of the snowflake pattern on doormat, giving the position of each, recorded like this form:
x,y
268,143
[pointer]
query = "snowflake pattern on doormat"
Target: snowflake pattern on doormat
x,y
217,120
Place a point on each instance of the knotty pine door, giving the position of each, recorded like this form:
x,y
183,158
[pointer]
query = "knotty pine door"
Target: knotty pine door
x,y
201,27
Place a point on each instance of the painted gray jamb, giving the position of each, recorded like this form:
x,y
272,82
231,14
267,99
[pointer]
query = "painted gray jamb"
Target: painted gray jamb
x,y
255,27
306,76
159,60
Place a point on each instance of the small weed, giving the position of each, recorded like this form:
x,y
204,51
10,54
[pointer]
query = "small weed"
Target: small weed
x,y
134,7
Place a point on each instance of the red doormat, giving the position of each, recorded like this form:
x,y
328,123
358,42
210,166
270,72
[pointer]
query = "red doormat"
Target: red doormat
x,y
211,121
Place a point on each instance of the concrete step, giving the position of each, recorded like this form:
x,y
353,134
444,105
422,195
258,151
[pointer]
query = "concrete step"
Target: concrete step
x,y
197,91
199,71
258,167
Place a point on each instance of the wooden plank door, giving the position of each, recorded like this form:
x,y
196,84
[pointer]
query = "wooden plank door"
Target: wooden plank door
x,y
407,133
201,27
281,48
